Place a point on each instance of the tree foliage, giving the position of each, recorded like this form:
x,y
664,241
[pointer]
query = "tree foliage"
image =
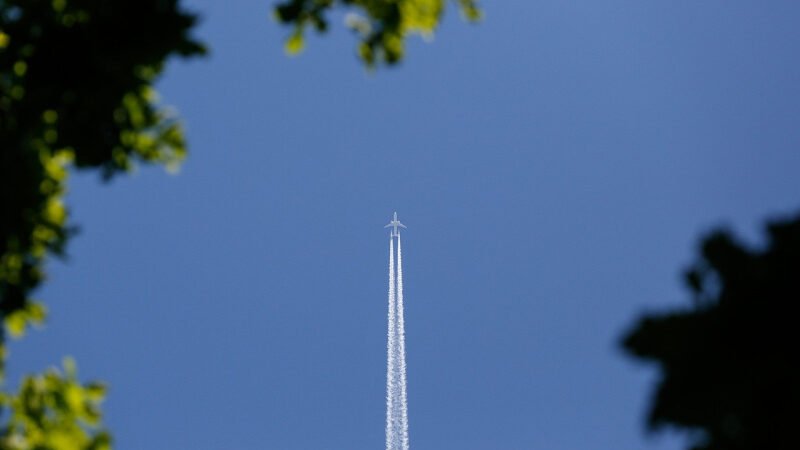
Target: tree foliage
x,y
55,411
730,364
76,90
382,25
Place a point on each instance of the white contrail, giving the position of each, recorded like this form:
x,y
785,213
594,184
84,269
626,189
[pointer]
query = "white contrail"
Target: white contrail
x,y
401,330
390,358
396,399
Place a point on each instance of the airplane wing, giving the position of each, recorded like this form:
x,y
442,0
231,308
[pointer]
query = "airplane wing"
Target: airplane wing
x,y
401,225
388,226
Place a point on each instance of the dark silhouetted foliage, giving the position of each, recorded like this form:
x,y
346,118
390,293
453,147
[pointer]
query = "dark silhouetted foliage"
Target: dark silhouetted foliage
x,y
75,88
730,364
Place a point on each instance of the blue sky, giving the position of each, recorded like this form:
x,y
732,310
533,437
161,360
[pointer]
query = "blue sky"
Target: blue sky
x,y
555,164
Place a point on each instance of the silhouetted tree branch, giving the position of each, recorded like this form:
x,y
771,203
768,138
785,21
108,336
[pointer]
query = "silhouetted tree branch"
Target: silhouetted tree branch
x,y
730,363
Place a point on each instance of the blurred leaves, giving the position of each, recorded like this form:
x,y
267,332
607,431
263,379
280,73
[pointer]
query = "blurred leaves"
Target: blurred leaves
x,y
54,411
730,363
382,25
75,91
17,322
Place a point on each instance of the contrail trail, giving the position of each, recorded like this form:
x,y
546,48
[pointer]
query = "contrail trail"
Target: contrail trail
x,y
391,350
401,327
396,398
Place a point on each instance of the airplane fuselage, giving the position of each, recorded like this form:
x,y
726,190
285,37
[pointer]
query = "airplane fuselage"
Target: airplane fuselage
x,y
393,225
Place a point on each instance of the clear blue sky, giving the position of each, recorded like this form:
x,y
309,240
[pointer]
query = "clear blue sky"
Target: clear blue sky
x,y
555,164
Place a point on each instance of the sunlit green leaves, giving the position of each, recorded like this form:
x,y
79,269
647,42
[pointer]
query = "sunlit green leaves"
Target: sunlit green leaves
x,y
75,92
62,106
33,313
295,43
149,134
55,411
382,25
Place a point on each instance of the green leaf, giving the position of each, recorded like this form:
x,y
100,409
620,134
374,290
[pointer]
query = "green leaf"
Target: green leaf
x,y
295,43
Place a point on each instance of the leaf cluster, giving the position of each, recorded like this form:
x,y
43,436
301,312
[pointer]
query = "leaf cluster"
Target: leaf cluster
x,y
75,89
730,365
382,25
55,411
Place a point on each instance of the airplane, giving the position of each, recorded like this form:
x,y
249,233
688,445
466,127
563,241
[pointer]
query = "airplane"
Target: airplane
x,y
394,224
